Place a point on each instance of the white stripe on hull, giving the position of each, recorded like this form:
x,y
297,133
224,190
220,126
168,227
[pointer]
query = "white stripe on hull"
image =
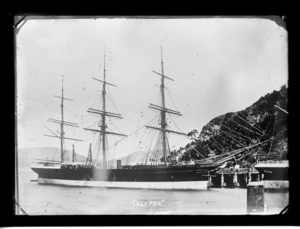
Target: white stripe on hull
x,y
184,185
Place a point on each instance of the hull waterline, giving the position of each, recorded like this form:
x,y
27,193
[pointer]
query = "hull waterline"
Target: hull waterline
x,y
184,185
169,178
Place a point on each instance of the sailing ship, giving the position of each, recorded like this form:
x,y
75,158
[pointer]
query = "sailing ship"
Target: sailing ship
x,y
147,175
152,176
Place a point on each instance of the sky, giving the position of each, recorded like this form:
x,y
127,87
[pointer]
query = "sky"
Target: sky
x,y
219,65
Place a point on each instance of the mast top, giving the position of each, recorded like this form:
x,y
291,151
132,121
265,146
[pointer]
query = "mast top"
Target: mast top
x,y
104,64
62,89
161,53
162,66
104,70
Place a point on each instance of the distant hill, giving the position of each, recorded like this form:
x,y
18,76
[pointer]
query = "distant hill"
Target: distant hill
x,y
235,130
29,155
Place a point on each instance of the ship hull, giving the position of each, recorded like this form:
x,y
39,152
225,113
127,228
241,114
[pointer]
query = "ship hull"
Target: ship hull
x,y
185,178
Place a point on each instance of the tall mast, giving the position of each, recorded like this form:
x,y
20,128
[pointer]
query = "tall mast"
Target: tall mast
x,y
62,123
163,110
163,113
89,159
103,113
103,117
74,155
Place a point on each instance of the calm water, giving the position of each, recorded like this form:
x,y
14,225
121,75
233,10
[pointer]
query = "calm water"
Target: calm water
x,y
38,199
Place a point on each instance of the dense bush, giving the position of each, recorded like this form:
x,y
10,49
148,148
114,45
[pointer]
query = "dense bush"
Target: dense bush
x,y
257,123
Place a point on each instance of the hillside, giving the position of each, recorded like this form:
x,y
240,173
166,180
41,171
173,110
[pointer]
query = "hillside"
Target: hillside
x,y
234,130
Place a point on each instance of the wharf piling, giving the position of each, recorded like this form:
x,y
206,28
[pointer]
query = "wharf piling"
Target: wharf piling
x,y
229,180
229,177
255,197
254,175
216,180
242,179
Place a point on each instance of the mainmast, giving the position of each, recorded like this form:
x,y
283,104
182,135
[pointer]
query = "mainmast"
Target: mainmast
x,y
103,127
103,113
163,113
163,110
74,155
62,123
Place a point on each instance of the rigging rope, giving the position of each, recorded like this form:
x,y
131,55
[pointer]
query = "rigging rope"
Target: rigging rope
x,y
169,93
109,97
114,125
194,148
242,139
245,127
149,149
251,125
236,132
136,150
222,124
155,155
241,112
268,125
219,144
234,140
230,137
113,157
237,151
254,123
273,135
175,123
92,124
136,130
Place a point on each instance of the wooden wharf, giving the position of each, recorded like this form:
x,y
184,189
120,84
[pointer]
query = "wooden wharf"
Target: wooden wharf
x,y
230,177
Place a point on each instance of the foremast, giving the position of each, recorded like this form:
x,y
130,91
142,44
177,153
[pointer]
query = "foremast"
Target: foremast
x,y
62,124
103,113
163,110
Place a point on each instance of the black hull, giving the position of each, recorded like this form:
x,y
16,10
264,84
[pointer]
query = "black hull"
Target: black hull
x,y
142,174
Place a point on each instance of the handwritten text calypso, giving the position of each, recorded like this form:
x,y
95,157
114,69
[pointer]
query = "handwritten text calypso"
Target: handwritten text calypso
x,y
147,203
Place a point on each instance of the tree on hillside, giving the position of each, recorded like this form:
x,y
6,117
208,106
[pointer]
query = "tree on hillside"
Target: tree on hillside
x,y
193,135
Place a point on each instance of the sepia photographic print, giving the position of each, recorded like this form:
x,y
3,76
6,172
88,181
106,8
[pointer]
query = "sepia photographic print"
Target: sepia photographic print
x,y
151,115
